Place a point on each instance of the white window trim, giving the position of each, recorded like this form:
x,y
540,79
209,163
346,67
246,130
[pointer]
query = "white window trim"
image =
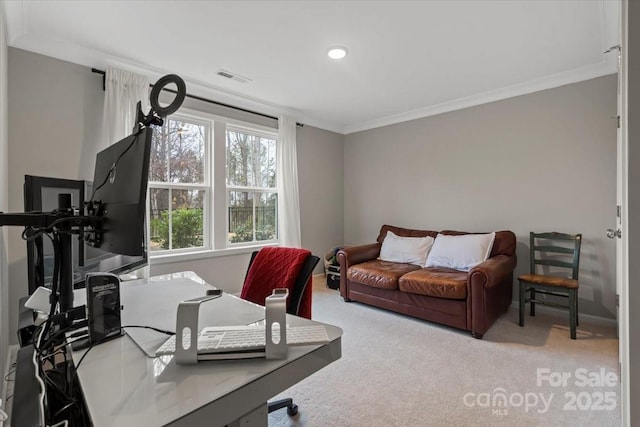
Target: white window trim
x,y
192,117
215,239
168,258
261,132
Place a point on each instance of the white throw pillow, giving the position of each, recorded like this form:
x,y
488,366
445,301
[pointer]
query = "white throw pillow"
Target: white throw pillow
x,y
460,252
411,250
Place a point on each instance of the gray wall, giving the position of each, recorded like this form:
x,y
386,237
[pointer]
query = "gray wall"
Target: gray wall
x,y
54,108
633,159
321,178
543,161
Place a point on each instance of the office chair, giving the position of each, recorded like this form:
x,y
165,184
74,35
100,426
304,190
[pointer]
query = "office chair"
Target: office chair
x,y
277,267
552,251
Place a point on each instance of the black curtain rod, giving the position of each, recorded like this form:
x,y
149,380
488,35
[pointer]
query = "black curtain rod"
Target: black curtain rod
x,y
199,98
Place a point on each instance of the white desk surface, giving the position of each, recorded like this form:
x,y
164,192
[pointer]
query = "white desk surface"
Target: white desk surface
x,y
124,387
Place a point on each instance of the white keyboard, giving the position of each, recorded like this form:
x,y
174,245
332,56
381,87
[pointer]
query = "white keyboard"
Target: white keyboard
x,y
231,339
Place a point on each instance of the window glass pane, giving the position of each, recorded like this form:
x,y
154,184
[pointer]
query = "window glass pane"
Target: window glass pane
x,y
265,215
252,216
159,227
187,218
240,216
186,151
159,165
251,160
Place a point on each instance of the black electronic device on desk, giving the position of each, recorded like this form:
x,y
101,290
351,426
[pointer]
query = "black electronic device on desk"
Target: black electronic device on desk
x,y
103,310
112,219
103,307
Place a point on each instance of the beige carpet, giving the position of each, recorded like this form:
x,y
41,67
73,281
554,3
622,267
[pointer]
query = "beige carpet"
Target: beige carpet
x,y
400,371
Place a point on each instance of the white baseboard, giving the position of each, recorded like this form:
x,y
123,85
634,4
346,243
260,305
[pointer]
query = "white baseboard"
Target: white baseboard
x,y
553,310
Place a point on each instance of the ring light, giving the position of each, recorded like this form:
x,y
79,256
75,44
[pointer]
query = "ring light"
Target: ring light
x,y
159,86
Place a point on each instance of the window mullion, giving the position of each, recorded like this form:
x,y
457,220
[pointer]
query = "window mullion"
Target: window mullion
x,y
219,183
170,203
253,216
177,186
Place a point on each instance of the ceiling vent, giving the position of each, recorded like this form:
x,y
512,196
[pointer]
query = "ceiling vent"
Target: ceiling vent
x,y
232,76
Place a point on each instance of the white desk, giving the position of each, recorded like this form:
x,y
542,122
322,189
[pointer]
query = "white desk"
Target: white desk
x,y
124,387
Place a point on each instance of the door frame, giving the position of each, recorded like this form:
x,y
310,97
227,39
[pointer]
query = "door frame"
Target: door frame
x,y
622,244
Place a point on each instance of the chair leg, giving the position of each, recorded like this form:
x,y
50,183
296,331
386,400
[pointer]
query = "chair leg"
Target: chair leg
x,y
577,322
292,408
521,298
573,313
532,304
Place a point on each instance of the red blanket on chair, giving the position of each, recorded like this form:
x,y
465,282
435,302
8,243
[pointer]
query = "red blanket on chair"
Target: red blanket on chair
x,y
277,267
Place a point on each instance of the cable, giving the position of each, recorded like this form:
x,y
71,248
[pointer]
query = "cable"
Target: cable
x,y
64,408
42,385
61,332
11,371
38,233
54,281
113,167
162,331
51,383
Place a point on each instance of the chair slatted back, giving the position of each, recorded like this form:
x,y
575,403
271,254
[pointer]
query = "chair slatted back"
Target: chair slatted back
x,y
542,245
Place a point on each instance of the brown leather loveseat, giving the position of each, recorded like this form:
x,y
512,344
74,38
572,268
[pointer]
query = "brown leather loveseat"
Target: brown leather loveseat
x,y
470,300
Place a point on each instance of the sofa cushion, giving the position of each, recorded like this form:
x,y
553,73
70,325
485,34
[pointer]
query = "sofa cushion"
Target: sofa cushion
x,y
379,274
461,252
412,250
435,282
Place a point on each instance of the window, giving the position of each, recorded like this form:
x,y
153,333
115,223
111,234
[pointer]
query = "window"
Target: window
x,y
252,198
179,187
183,186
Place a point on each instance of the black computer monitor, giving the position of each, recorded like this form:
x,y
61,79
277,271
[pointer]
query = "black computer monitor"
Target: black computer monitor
x,y
120,185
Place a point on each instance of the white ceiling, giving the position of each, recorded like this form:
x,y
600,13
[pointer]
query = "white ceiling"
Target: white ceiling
x,y
406,59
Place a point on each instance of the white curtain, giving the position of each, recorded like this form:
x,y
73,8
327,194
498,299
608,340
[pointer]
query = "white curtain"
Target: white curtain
x,y
287,184
123,91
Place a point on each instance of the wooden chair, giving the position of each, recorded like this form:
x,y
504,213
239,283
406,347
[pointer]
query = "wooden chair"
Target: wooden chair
x,y
276,267
552,251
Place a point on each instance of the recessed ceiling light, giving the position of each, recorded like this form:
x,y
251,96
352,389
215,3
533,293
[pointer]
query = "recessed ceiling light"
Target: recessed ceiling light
x,y
337,52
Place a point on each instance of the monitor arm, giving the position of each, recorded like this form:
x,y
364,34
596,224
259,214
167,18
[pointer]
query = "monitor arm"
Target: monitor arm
x,y
63,222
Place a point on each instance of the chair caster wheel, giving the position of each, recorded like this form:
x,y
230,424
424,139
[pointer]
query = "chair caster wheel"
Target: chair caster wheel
x,y
292,410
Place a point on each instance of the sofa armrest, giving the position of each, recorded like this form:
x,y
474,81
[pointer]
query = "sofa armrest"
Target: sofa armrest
x,y
352,255
494,270
357,254
490,287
